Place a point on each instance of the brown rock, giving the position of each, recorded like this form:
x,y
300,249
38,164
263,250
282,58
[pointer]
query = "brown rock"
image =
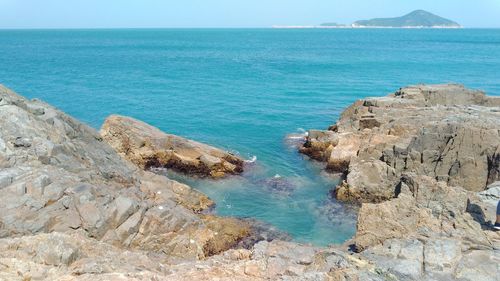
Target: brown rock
x,y
446,132
148,147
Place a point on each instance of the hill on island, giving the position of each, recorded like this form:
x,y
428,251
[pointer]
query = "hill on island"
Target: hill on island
x,y
418,18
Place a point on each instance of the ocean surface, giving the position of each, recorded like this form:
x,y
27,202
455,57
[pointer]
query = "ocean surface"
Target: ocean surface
x,y
248,91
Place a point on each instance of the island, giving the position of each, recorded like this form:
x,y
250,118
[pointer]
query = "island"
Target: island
x,y
415,19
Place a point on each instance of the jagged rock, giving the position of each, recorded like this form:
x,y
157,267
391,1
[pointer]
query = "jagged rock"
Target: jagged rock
x,y
412,160
72,256
488,200
58,175
446,132
426,209
148,147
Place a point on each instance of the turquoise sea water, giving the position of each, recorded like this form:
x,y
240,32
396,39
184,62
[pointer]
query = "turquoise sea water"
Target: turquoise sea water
x,y
245,90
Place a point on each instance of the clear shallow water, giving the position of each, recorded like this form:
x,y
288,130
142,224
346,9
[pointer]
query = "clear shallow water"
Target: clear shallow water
x,y
245,90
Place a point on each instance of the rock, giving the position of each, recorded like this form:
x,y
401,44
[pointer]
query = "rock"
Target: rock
x,y
446,132
403,258
261,231
148,147
70,256
318,143
21,142
488,201
60,176
278,185
227,233
366,178
478,266
399,217
442,255
414,161
56,252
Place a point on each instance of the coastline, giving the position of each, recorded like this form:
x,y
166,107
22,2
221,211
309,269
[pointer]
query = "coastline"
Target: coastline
x,y
362,27
406,237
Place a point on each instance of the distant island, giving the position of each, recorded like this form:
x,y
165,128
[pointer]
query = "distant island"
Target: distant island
x,y
415,19
333,24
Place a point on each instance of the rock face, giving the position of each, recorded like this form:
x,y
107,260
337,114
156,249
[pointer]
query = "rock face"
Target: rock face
x,y
445,132
148,147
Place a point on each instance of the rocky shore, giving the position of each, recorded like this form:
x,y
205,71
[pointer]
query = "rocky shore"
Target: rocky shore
x,y
417,159
79,205
446,132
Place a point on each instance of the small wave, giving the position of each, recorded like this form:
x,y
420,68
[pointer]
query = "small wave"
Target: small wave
x,y
303,131
251,160
301,134
295,137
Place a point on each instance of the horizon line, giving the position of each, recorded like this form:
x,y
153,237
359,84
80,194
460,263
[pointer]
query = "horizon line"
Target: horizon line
x,y
257,27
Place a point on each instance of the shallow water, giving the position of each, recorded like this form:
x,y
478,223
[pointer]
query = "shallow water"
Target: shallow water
x,y
245,90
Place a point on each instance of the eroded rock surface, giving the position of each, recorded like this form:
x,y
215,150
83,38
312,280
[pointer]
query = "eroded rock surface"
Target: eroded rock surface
x,y
58,175
446,132
416,160
148,147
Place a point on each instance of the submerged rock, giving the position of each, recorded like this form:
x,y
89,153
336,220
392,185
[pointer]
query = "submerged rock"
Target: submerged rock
x,y
148,147
261,231
278,185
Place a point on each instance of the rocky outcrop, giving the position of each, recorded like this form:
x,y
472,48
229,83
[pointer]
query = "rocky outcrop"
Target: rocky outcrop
x,y
57,175
446,132
148,147
416,159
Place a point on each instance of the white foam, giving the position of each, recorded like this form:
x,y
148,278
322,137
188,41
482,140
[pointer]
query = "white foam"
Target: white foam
x,y
295,137
252,160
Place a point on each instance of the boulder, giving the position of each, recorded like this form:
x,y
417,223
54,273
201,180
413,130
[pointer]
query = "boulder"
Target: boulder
x,y
148,147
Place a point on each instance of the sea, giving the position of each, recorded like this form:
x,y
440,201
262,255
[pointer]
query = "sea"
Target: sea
x,y
254,92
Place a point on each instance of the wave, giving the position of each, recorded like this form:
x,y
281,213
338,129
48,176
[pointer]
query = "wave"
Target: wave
x,y
296,138
251,160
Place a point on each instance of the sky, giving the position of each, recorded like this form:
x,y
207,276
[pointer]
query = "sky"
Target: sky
x,y
230,13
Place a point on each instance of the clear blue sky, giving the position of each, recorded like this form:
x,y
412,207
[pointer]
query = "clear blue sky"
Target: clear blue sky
x,y
230,13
